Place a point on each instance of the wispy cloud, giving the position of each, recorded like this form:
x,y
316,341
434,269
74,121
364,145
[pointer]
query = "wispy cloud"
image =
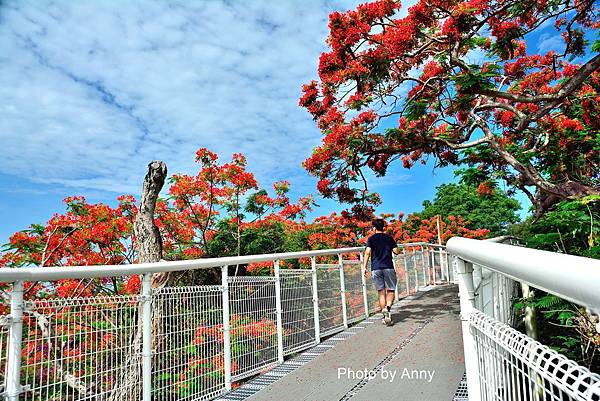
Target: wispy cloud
x,y
551,42
92,91
391,181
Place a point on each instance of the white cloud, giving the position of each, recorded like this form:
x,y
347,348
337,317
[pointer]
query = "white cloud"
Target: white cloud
x,y
92,91
390,181
551,42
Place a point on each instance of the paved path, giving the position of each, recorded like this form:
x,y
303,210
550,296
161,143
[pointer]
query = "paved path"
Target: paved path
x,y
420,358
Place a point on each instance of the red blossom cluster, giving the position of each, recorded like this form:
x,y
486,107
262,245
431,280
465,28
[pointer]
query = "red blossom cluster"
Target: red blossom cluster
x,y
522,113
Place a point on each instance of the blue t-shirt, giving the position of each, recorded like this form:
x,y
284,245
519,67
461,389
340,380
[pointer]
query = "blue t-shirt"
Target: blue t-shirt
x,y
381,245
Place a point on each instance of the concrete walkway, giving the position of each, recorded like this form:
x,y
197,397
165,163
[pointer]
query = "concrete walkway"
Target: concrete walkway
x,y
420,358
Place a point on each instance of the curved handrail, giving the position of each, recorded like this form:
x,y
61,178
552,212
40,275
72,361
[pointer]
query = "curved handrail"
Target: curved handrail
x,y
9,275
49,273
574,278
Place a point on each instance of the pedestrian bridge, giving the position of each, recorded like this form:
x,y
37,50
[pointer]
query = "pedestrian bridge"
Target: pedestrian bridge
x,y
419,358
307,331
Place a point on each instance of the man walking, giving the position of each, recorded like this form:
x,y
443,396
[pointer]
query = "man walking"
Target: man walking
x,y
380,247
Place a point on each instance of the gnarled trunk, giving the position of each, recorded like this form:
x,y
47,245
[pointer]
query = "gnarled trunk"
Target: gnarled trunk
x,y
148,244
544,200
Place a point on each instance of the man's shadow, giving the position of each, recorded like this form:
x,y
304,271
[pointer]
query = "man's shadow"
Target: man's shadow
x,y
446,302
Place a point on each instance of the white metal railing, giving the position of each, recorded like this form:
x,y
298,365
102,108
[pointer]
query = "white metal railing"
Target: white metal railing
x,y
502,363
184,343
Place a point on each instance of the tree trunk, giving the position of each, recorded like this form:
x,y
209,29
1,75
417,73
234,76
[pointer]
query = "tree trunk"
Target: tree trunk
x,y
530,313
148,244
547,193
544,200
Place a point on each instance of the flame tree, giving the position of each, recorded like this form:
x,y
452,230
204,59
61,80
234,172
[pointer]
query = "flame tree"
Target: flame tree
x,y
399,84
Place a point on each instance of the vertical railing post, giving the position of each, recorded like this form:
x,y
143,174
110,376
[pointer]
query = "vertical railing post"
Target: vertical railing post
x,y
506,296
226,329
501,298
396,292
315,288
432,254
147,336
447,264
279,314
406,272
425,275
13,369
364,284
466,290
430,250
414,263
343,289
495,292
439,252
477,280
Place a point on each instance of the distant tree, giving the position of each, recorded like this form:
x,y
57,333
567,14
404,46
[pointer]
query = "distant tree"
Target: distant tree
x,y
414,228
488,208
403,84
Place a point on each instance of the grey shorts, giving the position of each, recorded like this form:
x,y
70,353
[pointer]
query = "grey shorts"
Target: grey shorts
x,y
385,279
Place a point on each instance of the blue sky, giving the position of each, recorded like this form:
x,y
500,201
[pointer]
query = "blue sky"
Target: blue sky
x,y
92,91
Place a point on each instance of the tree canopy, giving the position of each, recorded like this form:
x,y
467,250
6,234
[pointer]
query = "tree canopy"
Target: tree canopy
x,y
455,80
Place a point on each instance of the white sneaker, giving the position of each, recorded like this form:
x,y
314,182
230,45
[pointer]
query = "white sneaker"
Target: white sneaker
x,y
387,317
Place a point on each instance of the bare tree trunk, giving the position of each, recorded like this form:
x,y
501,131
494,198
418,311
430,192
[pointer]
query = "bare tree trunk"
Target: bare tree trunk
x,y
531,328
530,313
148,243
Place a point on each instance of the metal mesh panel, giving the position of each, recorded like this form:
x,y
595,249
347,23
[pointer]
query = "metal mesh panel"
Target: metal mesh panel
x,y
485,293
448,267
494,294
90,348
3,345
513,366
330,300
421,269
443,270
401,276
355,302
188,330
411,274
253,325
372,296
82,349
434,268
297,310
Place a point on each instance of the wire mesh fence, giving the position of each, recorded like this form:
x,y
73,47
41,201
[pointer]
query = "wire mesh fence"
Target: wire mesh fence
x,y
372,297
297,310
355,302
513,366
412,274
177,343
253,325
401,275
188,346
329,292
502,363
81,348
494,294
4,319
436,265
423,276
